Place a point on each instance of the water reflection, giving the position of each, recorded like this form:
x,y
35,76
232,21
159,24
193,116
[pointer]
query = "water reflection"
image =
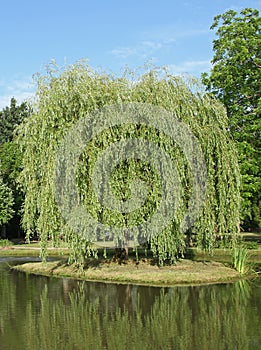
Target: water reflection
x,y
42,313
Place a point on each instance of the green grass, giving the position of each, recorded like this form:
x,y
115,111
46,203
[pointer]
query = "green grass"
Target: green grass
x,y
145,272
5,243
32,249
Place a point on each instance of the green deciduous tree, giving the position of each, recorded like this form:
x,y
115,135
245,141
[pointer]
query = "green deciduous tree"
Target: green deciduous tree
x,y
65,96
10,118
235,79
6,205
11,166
11,155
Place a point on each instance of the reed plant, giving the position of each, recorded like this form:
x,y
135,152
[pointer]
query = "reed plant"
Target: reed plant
x,y
240,259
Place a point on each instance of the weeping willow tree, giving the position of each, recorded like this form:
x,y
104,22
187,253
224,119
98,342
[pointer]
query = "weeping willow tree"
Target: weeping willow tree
x,y
65,96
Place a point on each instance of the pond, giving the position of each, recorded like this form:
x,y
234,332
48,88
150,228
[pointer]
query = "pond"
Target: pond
x,y
47,313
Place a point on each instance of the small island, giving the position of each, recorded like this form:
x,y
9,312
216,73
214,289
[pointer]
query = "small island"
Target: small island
x,y
201,268
184,272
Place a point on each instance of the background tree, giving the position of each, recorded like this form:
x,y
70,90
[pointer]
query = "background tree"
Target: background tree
x,y
11,159
67,95
6,206
236,80
10,118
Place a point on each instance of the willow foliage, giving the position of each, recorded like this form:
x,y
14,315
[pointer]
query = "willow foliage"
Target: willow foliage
x,y
67,95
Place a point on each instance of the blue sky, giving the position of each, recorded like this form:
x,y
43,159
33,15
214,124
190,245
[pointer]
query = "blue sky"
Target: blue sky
x,y
110,34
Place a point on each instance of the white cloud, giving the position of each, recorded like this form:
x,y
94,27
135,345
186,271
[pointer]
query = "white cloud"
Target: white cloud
x,y
25,96
190,67
124,52
142,49
152,45
20,89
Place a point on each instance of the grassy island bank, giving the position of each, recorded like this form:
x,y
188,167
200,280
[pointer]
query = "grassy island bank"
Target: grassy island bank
x,y
145,272
199,267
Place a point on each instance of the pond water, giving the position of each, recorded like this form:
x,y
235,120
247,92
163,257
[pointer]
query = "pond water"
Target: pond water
x,y
47,313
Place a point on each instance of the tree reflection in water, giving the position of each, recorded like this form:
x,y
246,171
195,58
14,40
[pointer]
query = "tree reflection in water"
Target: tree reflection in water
x,y
66,314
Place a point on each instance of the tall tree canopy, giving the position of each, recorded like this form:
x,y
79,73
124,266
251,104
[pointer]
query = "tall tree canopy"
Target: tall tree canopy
x,y
65,96
236,80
